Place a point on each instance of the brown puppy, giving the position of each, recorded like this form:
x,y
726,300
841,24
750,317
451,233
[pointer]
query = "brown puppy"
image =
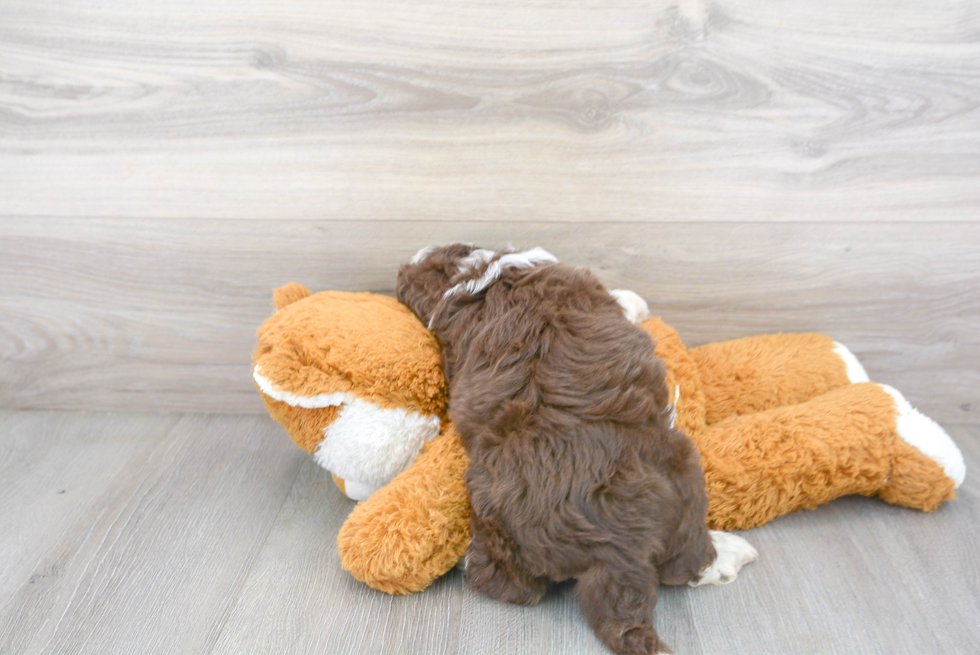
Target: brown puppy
x,y
576,470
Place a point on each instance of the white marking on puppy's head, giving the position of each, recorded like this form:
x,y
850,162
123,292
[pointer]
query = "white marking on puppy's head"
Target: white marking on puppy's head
x,y
422,254
475,260
526,259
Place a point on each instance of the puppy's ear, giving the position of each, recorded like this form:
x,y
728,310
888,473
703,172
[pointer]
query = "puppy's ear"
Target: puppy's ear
x,y
422,282
420,286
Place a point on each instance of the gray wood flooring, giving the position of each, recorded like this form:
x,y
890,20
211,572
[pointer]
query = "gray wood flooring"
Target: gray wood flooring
x,y
148,533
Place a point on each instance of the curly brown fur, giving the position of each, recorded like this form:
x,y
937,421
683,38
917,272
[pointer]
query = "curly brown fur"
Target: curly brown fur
x,y
575,470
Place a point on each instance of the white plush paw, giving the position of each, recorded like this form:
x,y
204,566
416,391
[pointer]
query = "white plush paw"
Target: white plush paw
x,y
634,307
928,437
733,553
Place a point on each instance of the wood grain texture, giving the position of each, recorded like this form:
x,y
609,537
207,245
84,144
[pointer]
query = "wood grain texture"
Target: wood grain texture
x,y
54,467
312,605
509,111
855,576
161,314
219,536
154,564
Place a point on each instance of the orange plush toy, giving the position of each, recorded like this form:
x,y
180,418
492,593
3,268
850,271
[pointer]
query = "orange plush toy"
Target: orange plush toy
x,y
783,423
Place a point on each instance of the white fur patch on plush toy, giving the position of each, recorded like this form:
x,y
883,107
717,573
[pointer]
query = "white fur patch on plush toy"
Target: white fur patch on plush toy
x,y
372,445
332,399
855,372
928,437
367,445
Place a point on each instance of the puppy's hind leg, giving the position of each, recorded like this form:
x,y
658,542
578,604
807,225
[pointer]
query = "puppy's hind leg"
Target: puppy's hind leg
x,y
619,607
492,565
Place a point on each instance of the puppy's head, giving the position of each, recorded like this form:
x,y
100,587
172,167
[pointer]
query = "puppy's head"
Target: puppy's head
x,y
435,270
458,270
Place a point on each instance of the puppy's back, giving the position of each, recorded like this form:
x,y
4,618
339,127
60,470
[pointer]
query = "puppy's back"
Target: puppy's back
x,y
553,339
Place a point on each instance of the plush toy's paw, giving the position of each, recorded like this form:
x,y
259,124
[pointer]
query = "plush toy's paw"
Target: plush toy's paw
x,y
926,466
734,552
415,528
928,437
634,307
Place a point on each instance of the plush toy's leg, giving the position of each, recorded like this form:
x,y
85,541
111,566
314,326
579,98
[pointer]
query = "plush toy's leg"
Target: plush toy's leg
x,y
859,439
754,374
919,435
416,527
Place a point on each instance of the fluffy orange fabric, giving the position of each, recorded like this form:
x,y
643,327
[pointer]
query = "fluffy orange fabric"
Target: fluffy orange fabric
x,y
416,527
781,429
683,376
916,481
754,374
368,345
305,426
287,295
764,464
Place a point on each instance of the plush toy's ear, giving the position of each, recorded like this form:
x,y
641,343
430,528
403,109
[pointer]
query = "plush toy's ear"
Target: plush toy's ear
x,y
289,294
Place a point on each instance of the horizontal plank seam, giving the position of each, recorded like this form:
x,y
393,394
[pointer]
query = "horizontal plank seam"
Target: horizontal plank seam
x,y
821,221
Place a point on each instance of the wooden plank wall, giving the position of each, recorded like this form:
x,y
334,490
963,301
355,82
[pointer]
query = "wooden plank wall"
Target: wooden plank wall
x,y
746,166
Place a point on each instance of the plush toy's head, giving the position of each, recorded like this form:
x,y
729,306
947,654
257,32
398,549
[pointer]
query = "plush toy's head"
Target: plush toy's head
x,y
354,378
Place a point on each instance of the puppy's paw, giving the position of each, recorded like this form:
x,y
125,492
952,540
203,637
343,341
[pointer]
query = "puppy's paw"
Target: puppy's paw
x,y
625,638
634,307
641,640
733,553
